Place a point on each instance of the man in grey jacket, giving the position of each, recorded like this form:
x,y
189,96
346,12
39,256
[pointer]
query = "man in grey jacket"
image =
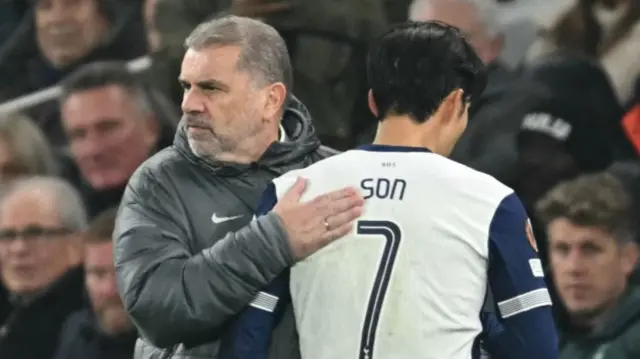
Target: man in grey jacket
x,y
188,258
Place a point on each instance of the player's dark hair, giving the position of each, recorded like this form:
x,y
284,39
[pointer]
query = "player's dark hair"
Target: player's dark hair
x,y
595,200
413,67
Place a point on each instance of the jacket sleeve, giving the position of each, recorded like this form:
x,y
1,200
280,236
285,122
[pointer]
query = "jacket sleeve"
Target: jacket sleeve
x,y
174,296
250,335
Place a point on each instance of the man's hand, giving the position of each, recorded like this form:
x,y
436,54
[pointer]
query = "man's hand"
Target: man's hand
x,y
316,223
259,8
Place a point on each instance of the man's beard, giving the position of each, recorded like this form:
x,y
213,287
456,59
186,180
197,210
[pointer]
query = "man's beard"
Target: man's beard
x,y
113,318
211,143
207,145
587,316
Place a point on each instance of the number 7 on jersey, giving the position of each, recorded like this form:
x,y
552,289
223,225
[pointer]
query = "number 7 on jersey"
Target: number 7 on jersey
x,y
392,235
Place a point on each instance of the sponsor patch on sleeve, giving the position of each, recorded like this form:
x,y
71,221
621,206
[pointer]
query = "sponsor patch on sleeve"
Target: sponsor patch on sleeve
x,y
536,267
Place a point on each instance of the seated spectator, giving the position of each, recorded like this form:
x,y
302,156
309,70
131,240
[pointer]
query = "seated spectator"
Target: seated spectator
x,y
67,34
607,30
104,331
41,220
583,79
628,173
565,86
112,128
24,150
592,256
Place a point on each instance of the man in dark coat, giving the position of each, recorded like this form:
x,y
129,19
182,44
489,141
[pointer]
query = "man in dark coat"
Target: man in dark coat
x,y
103,331
591,229
41,220
188,256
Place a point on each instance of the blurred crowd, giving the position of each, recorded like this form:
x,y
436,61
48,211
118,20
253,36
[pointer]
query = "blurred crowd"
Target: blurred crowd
x,y
89,91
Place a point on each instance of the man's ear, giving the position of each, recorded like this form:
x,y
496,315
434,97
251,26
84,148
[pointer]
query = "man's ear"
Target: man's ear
x,y
452,107
372,104
276,98
153,128
629,257
75,247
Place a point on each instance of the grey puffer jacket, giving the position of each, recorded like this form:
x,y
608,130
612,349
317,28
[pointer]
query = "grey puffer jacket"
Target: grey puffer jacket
x,y
189,259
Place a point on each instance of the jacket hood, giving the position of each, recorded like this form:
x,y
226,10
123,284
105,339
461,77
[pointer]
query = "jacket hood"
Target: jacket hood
x,y
301,140
623,316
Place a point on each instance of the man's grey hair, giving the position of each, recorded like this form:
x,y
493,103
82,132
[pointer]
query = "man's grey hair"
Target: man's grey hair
x,y
107,73
263,51
486,10
71,210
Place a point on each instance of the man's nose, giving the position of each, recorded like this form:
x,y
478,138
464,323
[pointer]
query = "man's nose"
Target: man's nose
x,y
91,146
192,101
18,245
575,263
108,286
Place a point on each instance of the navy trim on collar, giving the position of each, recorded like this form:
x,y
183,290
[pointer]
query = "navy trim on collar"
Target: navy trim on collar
x,y
389,148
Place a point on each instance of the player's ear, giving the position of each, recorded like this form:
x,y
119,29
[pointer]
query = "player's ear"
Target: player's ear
x,y
372,104
452,106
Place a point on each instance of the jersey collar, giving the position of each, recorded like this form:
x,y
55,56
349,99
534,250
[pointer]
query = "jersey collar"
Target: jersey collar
x,y
389,148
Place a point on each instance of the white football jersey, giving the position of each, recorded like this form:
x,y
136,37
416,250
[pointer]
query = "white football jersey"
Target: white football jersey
x,y
410,280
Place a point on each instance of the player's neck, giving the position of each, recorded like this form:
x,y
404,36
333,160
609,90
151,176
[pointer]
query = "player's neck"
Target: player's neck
x,y
403,131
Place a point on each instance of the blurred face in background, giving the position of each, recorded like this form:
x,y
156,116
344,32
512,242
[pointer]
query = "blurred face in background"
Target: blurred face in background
x,y
463,16
109,134
589,268
101,286
35,248
68,30
542,162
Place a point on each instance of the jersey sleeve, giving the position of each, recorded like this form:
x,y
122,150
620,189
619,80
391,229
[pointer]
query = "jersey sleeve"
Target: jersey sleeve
x,y
249,336
524,326
268,201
